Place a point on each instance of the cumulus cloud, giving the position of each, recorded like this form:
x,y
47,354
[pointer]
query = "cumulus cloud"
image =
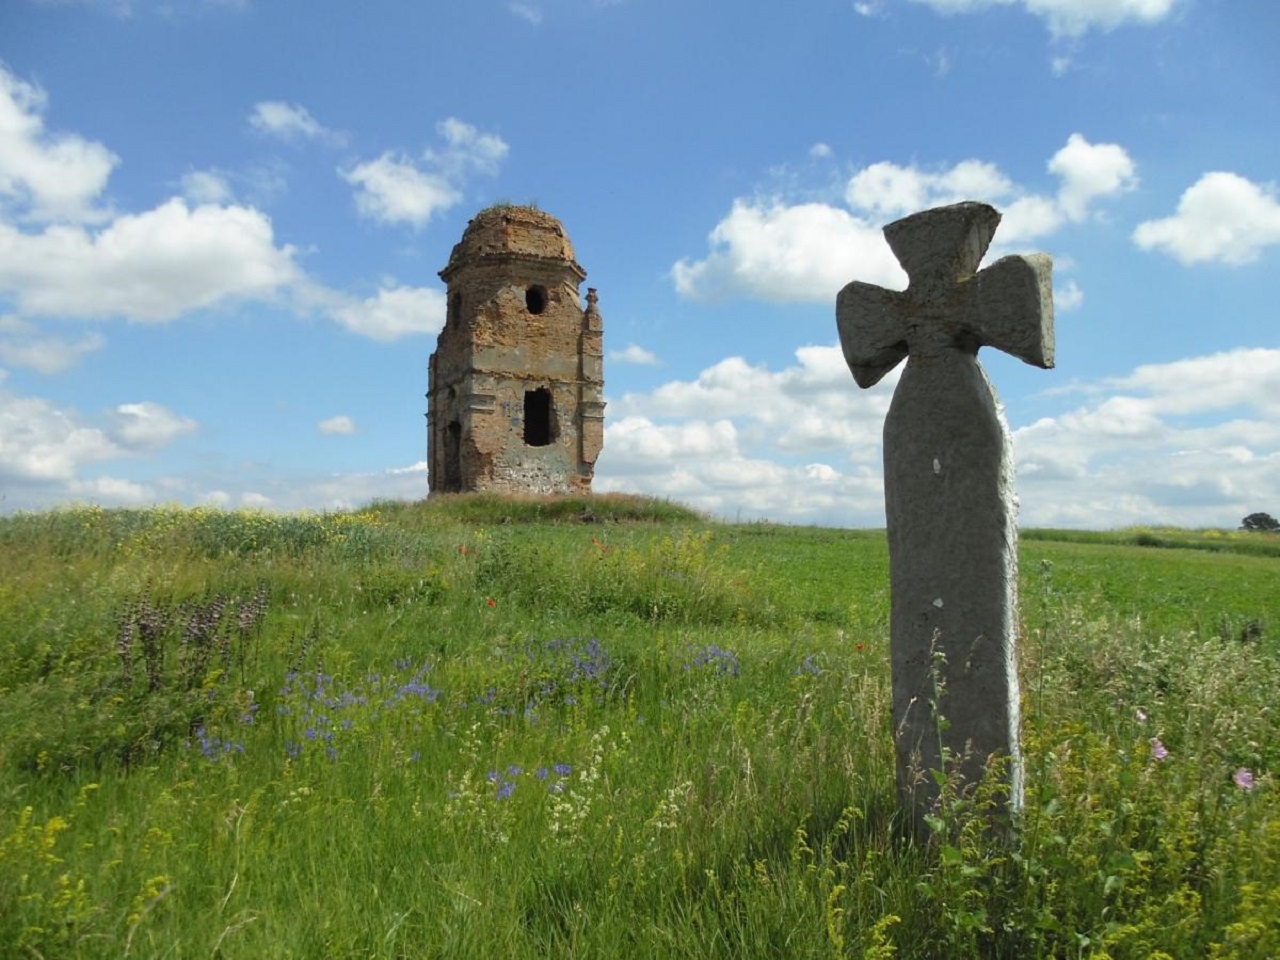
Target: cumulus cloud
x,y
38,441
1193,442
151,267
112,491
391,189
394,312
47,176
22,346
148,426
770,250
633,353
341,426
206,186
1067,296
1222,218
1070,18
396,188
291,122
46,452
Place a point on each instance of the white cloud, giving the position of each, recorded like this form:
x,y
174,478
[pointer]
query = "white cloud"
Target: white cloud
x,y
20,346
152,266
112,491
45,450
392,189
633,353
820,151
52,177
206,186
1194,442
1090,171
50,355
1067,297
1221,218
773,251
1234,378
395,189
1070,18
526,11
776,252
394,312
1147,448
744,440
341,425
148,426
889,191
291,122
39,442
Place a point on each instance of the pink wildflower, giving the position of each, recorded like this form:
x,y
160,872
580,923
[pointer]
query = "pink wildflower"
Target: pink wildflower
x,y
1158,749
1244,778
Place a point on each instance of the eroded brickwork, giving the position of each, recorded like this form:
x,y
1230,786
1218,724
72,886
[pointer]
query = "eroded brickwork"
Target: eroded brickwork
x,y
515,398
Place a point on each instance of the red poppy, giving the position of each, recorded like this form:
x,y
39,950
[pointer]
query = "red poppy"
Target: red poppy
x,y
491,602
860,646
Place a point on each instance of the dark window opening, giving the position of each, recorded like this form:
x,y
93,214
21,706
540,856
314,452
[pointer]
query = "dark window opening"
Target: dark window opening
x,y
455,308
535,298
538,419
453,457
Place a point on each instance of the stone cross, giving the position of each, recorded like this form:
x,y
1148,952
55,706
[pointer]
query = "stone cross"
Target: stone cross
x,y
949,497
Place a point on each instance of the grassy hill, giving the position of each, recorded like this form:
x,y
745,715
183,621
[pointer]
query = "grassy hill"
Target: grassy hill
x,y
606,727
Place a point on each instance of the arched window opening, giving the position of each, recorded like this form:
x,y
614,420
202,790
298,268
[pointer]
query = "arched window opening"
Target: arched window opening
x,y
453,457
535,299
539,418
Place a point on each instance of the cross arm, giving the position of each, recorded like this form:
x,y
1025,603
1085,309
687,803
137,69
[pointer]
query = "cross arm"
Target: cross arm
x,y
1013,308
872,333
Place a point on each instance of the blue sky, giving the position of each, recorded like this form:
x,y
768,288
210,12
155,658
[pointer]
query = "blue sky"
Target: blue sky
x,y
221,223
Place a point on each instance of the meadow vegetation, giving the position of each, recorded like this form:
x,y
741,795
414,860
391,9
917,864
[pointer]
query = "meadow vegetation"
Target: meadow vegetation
x,y
606,727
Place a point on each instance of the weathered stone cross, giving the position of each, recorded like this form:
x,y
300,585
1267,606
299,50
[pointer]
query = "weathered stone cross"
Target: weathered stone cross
x,y
949,497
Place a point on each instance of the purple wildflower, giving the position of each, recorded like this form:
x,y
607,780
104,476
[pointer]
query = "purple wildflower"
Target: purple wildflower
x,y
506,789
1158,749
563,769
1244,779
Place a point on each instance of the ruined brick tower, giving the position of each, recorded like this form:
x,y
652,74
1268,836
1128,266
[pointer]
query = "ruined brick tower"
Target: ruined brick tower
x,y
515,394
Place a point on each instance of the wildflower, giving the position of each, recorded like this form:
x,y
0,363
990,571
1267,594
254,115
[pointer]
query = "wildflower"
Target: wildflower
x,y
506,789
492,776
1244,779
491,602
563,769
541,773
859,647
514,770
1141,715
719,660
1158,749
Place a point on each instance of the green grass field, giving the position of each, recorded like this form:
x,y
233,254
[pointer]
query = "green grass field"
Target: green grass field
x,y
607,728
